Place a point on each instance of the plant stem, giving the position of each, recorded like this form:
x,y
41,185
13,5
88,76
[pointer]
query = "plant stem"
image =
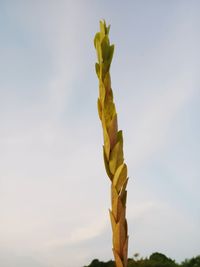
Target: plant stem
x,y
113,146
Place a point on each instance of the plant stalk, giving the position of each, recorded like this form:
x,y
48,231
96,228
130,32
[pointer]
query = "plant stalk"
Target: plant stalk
x,y
113,146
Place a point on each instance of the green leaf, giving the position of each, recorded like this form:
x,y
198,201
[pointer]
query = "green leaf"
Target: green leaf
x,y
105,47
111,52
96,39
105,68
97,68
99,108
108,29
99,52
107,83
102,92
102,28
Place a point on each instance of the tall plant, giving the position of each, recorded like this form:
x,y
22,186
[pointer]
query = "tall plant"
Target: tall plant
x,y
113,146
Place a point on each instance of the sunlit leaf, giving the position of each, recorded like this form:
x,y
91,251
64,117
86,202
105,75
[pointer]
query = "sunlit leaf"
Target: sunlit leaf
x,y
112,219
122,233
116,238
97,69
105,47
116,156
112,131
99,109
114,201
120,176
96,39
118,261
102,28
111,52
110,175
125,252
124,196
106,139
107,83
102,92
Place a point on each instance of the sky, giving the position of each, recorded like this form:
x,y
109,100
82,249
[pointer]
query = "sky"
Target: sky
x,y
54,192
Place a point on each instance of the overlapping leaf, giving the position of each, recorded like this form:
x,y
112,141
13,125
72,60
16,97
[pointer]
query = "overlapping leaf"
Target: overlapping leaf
x,y
113,146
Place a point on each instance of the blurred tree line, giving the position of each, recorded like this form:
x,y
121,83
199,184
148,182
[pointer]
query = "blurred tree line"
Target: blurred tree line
x,y
155,260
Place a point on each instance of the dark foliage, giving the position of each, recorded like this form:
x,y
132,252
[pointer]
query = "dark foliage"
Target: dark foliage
x,y
97,263
194,262
155,260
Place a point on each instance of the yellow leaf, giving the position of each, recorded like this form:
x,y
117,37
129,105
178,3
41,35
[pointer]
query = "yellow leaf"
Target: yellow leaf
x,y
123,193
102,28
99,52
106,143
122,234
102,91
116,238
106,165
112,219
109,106
114,201
125,251
96,39
116,155
99,108
112,131
120,211
114,158
118,260
120,158
106,138
120,176
105,67
124,186
97,68
107,82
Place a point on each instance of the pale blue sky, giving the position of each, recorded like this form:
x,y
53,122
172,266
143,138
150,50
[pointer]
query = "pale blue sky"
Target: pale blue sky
x,y
54,193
